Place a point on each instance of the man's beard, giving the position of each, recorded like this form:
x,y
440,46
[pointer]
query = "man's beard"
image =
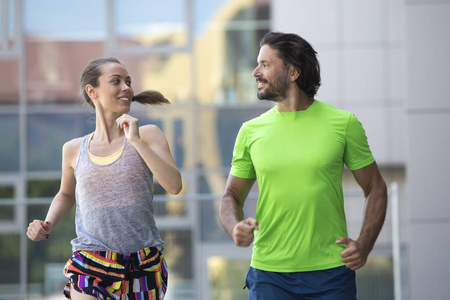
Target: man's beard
x,y
275,91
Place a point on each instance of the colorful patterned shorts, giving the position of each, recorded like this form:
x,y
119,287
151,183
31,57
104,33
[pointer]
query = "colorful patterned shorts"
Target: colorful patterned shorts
x,y
109,275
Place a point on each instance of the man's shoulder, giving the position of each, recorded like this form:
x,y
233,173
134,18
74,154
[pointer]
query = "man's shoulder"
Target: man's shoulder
x,y
262,118
326,107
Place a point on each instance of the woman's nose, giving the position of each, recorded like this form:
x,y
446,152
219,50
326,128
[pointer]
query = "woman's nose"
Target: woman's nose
x,y
125,87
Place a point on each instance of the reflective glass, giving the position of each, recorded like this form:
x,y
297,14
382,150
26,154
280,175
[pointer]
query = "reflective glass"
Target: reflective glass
x,y
208,79
226,51
10,260
227,277
61,38
64,19
217,131
9,145
151,23
9,82
170,74
8,28
6,211
46,259
375,281
179,256
43,188
47,133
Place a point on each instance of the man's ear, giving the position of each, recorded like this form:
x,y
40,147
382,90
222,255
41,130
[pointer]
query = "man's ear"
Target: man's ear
x,y
90,91
294,74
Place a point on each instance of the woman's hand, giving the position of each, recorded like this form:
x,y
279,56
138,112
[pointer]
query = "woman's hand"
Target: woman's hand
x,y
39,230
130,127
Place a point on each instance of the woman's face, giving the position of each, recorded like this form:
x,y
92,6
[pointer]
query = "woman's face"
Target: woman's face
x,y
114,91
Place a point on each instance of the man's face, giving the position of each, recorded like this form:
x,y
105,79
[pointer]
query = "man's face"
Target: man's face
x,y
271,75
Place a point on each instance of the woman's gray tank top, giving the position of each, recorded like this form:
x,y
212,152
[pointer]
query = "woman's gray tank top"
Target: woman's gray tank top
x,y
114,204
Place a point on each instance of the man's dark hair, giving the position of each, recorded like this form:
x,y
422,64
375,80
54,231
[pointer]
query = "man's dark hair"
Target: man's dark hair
x,y
294,50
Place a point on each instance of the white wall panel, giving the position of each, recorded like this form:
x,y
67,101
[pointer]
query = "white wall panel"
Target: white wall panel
x,y
428,56
395,78
364,70
429,262
397,146
364,21
316,21
429,166
428,103
330,91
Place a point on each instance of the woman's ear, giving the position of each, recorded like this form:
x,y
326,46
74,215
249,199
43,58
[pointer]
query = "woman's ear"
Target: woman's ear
x,y
90,91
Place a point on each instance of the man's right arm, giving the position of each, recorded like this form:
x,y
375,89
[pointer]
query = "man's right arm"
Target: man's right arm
x,y
231,211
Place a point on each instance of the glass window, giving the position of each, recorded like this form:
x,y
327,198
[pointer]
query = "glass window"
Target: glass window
x,y
46,259
6,211
226,276
47,133
199,54
375,280
169,74
43,188
45,274
83,19
179,257
9,145
8,28
226,51
160,24
10,260
59,45
9,82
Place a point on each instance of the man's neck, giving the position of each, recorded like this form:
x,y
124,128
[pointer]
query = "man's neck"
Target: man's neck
x,y
295,102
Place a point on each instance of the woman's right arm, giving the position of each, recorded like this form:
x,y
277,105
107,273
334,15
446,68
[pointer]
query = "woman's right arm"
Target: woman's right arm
x,y
64,199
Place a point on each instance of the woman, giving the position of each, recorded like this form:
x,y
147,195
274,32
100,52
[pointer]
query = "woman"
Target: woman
x,y
109,175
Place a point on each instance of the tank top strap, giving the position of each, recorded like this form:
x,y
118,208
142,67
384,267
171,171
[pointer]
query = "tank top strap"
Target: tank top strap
x,y
83,150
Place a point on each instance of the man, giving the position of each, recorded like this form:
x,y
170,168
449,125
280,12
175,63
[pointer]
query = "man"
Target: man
x,y
296,151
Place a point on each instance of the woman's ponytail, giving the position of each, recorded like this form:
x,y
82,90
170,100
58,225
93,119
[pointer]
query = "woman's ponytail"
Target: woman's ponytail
x,y
151,98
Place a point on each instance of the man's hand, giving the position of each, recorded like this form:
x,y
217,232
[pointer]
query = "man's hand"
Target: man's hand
x,y
243,232
355,256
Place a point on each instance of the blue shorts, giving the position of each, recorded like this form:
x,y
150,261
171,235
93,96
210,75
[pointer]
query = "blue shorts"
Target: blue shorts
x,y
336,284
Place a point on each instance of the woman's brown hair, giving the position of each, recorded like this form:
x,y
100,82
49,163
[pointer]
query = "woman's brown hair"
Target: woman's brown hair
x,y
92,72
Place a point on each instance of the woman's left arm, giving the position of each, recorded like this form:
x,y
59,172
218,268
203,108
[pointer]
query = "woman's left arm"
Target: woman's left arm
x,y
153,147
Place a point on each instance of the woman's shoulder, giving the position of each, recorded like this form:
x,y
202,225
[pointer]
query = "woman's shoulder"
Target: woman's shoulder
x,y
73,143
151,133
150,130
72,148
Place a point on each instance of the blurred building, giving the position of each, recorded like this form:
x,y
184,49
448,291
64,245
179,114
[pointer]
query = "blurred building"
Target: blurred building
x,y
377,58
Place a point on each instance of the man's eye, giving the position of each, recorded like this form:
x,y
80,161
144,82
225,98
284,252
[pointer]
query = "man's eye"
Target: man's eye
x,y
129,83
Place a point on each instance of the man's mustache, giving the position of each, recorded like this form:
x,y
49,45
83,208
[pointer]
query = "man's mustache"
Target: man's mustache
x,y
262,80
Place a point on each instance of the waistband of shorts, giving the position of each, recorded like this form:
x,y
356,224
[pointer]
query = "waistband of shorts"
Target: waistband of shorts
x,y
140,254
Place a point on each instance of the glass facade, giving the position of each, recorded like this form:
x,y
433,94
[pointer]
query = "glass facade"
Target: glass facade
x,y
199,54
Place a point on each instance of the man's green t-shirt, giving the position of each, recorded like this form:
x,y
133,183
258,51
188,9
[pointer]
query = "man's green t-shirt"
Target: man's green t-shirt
x,y
298,159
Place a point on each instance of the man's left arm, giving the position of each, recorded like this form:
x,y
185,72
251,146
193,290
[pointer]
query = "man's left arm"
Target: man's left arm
x,y
375,191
